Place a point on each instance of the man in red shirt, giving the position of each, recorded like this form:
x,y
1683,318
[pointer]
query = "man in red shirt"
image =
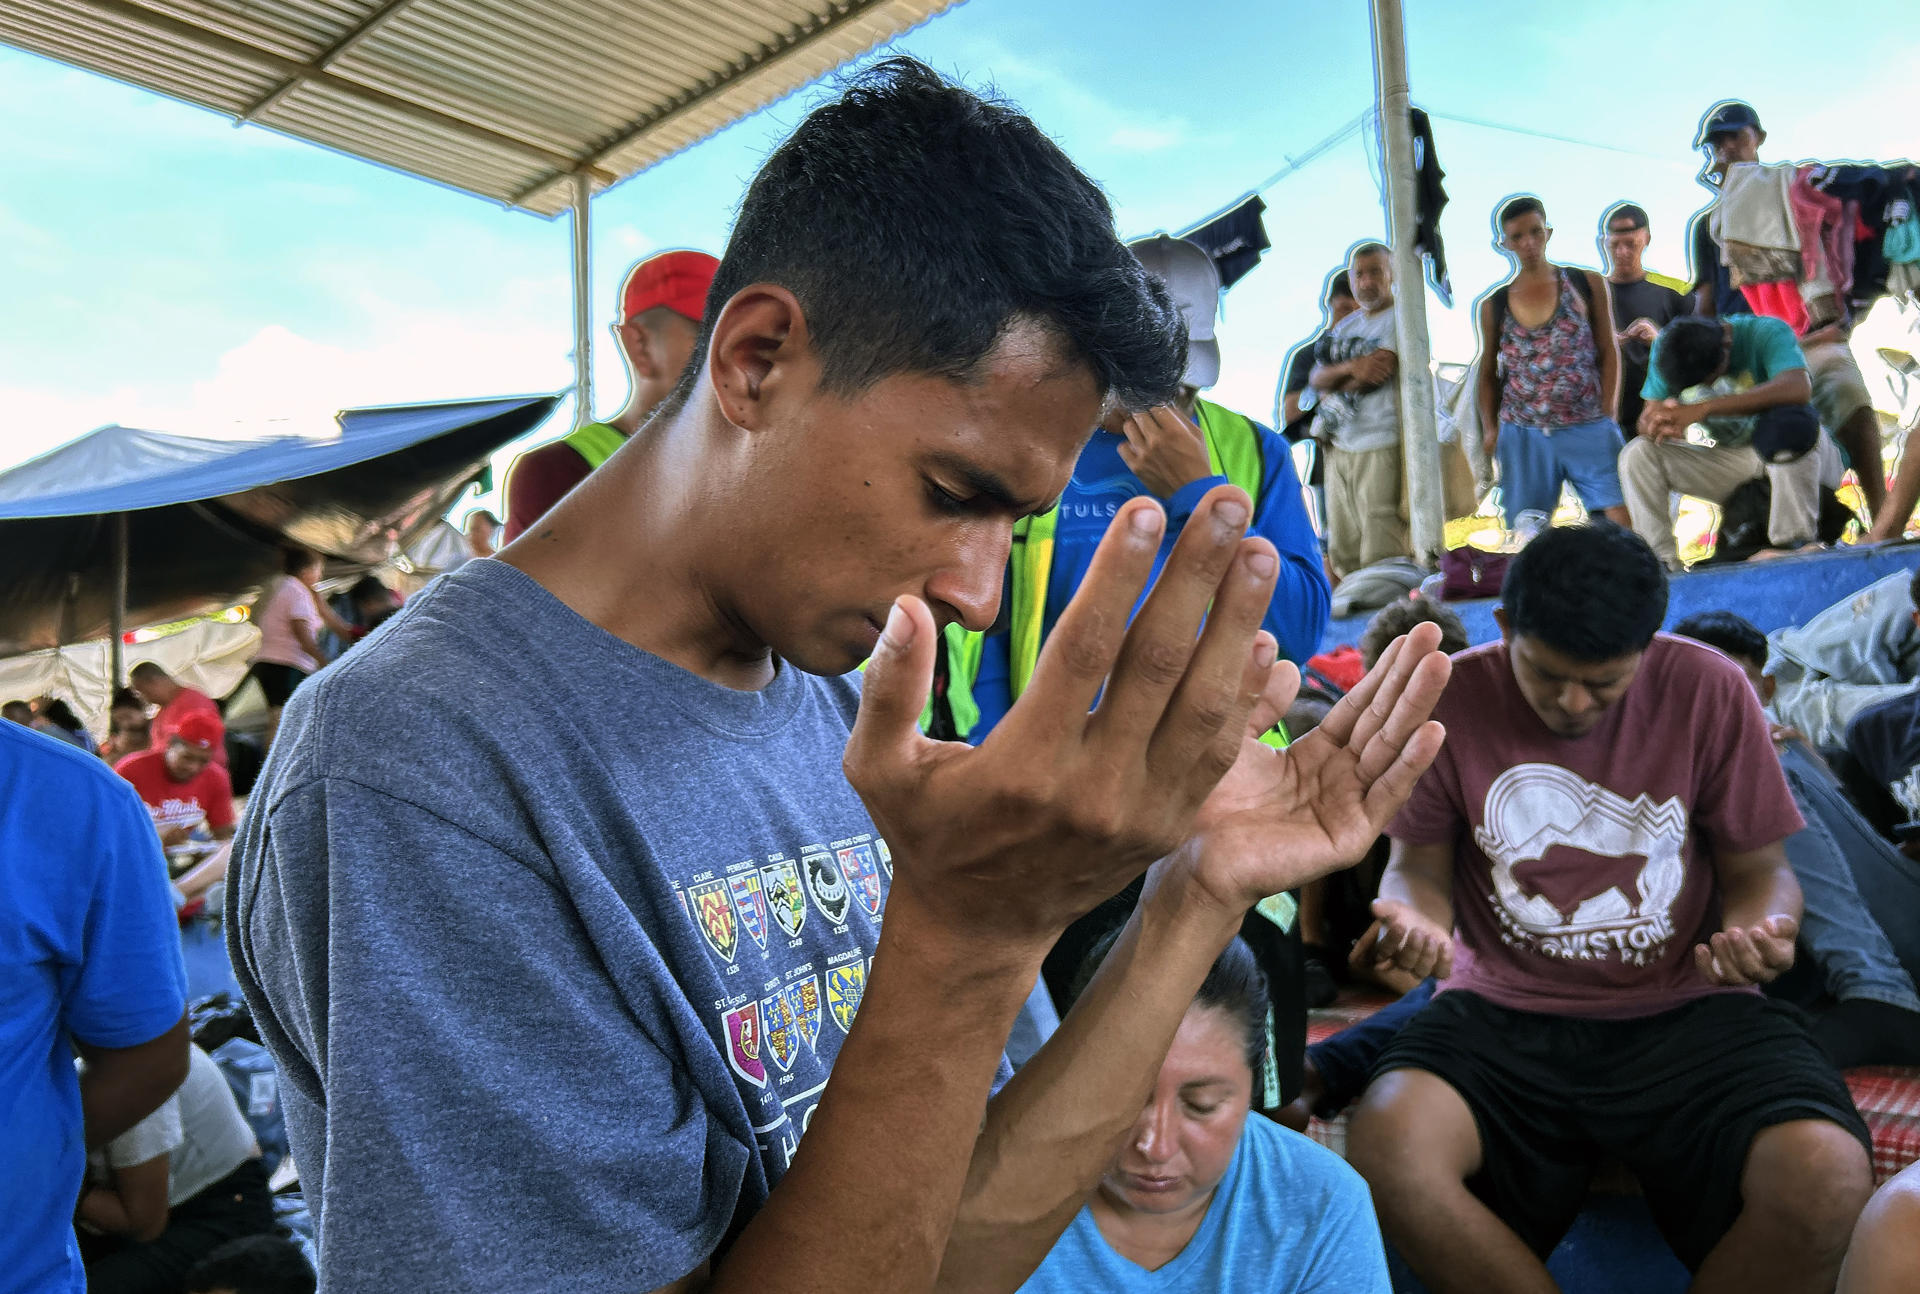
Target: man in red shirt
x,y
660,309
175,701
1595,867
181,786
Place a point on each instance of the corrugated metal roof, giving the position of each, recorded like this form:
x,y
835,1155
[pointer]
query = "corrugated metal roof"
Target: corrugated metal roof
x,y
503,98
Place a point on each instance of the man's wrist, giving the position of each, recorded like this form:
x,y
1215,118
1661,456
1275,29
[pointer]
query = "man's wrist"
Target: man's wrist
x,y
962,957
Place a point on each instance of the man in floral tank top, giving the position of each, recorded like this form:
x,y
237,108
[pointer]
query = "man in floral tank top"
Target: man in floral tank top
x,y
1549,376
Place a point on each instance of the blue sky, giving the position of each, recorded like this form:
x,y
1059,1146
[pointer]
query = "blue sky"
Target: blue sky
x,y
162,268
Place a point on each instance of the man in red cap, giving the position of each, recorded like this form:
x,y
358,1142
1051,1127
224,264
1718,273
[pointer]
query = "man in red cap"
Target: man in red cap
x,y
660,309
181,786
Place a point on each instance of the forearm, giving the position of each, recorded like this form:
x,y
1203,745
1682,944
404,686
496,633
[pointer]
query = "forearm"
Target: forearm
x,y
1788,388
1329,377
103,1209
898,1121
1056,1127
1749,895
1430,896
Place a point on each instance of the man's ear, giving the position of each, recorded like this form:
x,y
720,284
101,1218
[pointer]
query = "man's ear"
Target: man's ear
x,y
1500,618
760,351
635,343
1768,686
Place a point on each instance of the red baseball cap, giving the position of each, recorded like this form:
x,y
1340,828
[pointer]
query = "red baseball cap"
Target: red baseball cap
x,y
677,280
202,730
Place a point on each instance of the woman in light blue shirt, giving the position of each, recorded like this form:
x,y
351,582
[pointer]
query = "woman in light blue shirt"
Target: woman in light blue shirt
x,y
1202,1197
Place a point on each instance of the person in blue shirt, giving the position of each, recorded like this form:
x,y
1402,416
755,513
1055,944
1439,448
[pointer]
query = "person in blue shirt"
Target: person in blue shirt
x,y
89,960
1202,1197
1164,453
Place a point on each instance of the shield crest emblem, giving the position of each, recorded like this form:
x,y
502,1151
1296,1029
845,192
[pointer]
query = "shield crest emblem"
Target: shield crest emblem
x,y
784,899
845,985
862,871
828,887
803,1002
744,1043
713,913
886,855
751,902
783,1039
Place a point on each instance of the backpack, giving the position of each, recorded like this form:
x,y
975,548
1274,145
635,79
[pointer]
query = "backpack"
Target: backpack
x,y
1743,521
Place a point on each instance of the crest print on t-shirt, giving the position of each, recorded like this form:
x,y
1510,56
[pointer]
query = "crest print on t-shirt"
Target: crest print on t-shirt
x,y
828,887
788,905
713,913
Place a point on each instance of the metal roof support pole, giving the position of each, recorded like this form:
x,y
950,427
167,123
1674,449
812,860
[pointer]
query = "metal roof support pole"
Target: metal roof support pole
x,y
117,625
1420,438
582,299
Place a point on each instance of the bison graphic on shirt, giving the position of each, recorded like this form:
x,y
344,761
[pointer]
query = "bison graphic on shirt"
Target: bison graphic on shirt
x,y
1579,871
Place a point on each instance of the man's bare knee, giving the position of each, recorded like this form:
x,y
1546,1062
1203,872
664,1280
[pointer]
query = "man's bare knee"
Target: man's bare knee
x,y
1412,1127
1807,1181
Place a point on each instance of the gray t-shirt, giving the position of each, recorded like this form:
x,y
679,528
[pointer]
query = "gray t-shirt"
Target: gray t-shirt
x,y
1358,421
553,942
199,1128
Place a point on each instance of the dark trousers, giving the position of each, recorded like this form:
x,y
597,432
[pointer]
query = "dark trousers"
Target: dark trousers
x,y
239,1204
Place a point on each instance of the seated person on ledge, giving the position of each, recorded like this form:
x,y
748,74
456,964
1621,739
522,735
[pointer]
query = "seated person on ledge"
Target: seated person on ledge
x,y
1202,1196
1606,826
1744,381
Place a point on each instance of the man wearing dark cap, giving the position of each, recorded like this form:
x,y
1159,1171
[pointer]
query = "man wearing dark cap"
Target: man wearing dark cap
x,y
1731,134
1643,302
1744,382
661,305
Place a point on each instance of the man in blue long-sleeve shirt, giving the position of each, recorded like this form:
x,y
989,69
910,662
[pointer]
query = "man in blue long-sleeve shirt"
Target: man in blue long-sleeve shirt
x,y
1164,452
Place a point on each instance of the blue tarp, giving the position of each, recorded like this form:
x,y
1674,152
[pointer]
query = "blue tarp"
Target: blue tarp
x,y
1773,594
205,516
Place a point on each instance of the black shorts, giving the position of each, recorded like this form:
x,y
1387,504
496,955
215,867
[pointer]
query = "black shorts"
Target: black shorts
x,y
1677,1097
277,681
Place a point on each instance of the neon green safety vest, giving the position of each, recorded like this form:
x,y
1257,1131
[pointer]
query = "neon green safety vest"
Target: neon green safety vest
x,y
595,442
1233,451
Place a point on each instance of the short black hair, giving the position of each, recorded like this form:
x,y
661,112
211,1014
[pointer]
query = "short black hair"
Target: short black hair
x,y
149,670
1514,208
60,714
1624,210
1234,984
1594,592
917,222
124,699
294,559
9,709
253,1265
1397,618
1692,349
1732,634
1339,286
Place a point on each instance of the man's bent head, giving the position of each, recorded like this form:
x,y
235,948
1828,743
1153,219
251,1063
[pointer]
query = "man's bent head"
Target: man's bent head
x,y
920,317
1578,607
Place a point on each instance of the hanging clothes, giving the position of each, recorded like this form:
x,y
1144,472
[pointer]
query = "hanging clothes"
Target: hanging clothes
x,y
1430,195
1781,300
1235,239
1826,225
1753,223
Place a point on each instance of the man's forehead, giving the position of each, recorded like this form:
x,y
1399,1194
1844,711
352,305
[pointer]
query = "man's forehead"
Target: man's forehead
x,y
1548,659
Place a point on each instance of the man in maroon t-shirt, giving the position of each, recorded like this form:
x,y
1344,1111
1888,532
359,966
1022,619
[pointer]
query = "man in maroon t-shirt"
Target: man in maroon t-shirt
x,y
175,701
661,305
1594,865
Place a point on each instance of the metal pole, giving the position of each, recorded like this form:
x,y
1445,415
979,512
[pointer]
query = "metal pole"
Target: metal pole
x,y
1421,438
117,624
582,299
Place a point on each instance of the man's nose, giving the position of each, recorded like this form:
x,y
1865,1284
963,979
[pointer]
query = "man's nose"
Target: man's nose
x,y
1576,699
970,585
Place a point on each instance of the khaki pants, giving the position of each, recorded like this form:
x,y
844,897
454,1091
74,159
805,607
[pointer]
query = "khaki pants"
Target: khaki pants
x,y
1650,470
1366,508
